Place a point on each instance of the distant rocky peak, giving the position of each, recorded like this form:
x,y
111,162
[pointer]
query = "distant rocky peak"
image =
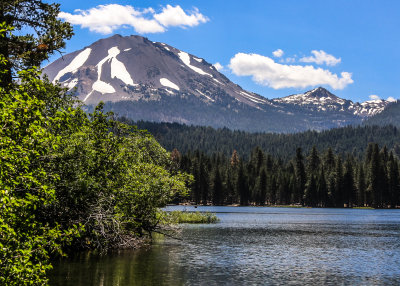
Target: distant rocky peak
x,y
317,96
320,92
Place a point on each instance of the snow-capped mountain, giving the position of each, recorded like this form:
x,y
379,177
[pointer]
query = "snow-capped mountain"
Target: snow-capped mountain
x,y
322,100
132,68
145,80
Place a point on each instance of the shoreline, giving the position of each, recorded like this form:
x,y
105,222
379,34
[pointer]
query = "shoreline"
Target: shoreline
x,y
278,206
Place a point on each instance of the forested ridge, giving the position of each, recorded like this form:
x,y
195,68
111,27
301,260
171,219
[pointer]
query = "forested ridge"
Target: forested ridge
x,y
351,139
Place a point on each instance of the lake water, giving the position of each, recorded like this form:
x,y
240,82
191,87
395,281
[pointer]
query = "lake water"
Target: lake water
x,y
256,246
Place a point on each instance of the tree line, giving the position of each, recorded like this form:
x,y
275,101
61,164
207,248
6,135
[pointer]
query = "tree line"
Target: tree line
x,y
350,139
314,179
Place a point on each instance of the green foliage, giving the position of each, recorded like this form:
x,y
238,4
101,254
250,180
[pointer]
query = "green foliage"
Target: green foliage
x,y
190,217
67,179
40,34
112,181
61,169
26,243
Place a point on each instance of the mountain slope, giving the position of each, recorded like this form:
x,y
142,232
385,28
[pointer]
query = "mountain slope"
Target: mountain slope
x,y
389,116
141,79
120,68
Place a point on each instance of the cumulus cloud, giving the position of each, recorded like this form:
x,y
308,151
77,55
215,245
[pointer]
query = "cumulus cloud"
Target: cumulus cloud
x,y
374,97
321,57
278,53
218,66
105,19
175,16
266,71
391,99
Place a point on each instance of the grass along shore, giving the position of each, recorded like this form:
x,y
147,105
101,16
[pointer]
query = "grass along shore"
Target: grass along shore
x,y
191,217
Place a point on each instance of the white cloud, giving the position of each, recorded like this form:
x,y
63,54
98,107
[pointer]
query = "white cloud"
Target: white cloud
x,y
175,16
391,99
266,71
321,57
105,19
278,53
218,66
374,97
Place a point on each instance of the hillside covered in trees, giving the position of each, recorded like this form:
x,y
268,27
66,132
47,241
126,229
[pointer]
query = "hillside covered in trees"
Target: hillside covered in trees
x,y
353,140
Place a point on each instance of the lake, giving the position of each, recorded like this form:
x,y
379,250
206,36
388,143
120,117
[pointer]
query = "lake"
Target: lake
x,y
256,246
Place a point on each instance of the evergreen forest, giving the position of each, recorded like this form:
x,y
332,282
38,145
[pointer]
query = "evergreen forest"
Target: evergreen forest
x,y
312,178
346,140
354,166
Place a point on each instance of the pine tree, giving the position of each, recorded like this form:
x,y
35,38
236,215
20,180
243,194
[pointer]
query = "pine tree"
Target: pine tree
x,y
272,189
217,188
349,193
322,189
361,187
310,195
40,34
329,161
313,161
393,181
230,187
374,177
300,177
338,191
242,186
235,159
196,190
204,182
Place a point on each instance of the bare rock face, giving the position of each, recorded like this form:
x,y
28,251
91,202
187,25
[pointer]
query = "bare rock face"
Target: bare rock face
x,y
145,80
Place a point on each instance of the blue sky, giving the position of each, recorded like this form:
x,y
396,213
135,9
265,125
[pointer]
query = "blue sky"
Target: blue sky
x,y
350,47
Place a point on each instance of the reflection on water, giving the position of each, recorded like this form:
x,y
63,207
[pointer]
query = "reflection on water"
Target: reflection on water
x,y
257,246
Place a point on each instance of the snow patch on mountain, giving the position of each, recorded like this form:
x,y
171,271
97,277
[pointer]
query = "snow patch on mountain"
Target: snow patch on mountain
x,y
99,85
371,107
185,58
75,64
103,87
118,70
250,97
206,96
166,82
216,80
72,83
